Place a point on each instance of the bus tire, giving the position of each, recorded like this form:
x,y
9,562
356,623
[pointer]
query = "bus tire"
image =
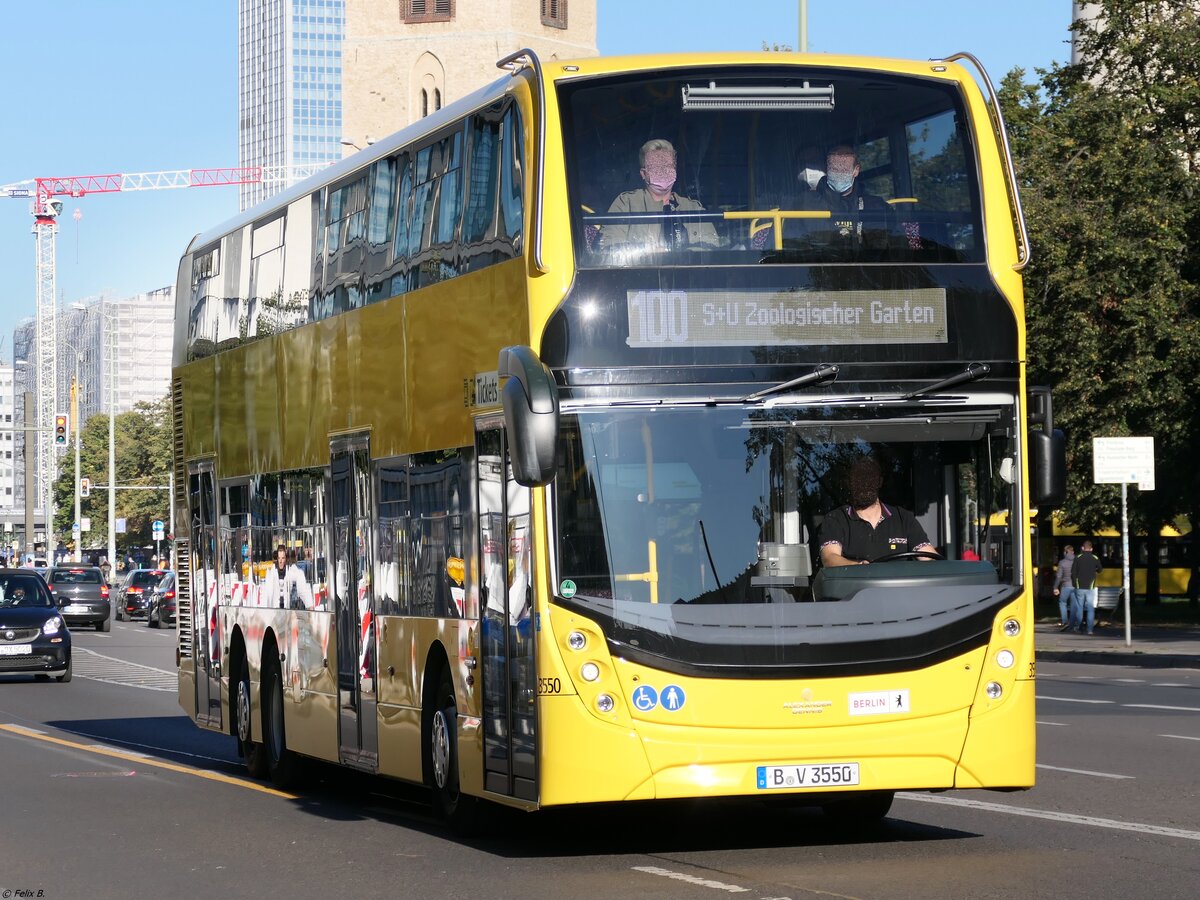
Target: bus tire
x,y
859,810
460,812
253,753
282,764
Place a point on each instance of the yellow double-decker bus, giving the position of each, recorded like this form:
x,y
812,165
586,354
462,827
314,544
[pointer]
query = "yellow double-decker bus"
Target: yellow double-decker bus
x,y
509,446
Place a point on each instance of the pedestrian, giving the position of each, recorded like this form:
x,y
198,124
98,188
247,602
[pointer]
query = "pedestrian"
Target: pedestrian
x,y
1064,590
1084,573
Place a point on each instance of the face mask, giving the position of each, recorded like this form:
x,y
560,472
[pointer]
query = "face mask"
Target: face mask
x,y
661,179
840,182
811,177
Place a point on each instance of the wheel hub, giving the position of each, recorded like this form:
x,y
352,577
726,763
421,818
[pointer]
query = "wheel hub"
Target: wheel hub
x,y
243,711
441,749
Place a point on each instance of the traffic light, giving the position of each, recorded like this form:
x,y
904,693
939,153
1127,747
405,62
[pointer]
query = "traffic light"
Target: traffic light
x,y
61,427
85,487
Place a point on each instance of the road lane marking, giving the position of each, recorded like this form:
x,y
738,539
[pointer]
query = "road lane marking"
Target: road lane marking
x,y
32,734
1182,737
1060,724
111,670
1084,772
692,879
1130,680
1170,684
1073,700
1156,706
1069,818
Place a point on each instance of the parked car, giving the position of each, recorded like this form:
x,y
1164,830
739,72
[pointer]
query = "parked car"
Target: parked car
x,y
161,607
81,595
33,636
132,597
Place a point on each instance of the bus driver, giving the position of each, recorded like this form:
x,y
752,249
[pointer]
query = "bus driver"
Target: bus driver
x,y
867,528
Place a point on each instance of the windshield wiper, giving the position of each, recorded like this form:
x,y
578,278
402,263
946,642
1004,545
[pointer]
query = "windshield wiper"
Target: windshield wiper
x,y
973,372
819,375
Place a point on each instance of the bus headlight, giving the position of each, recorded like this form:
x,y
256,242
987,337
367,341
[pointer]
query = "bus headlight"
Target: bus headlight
x,y
576,640
1012,628
994,690
1005,659
590,671
604,703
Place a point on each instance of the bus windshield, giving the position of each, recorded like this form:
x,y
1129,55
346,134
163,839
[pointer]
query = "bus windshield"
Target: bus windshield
x,y
695,533
736,166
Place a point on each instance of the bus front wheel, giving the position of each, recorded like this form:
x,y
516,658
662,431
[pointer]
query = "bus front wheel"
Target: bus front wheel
x,y
459,811
859,810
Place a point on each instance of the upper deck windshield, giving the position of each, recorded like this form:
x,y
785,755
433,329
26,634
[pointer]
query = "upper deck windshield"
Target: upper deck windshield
x,y
733,166
694,534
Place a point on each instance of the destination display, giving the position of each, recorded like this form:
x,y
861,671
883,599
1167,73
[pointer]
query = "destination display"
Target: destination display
x,y
781,318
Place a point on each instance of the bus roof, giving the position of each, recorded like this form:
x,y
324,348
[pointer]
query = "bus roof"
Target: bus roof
x,y
563,70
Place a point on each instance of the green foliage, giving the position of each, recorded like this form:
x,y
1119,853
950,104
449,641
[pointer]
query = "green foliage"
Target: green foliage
x,y
143,457
1111,203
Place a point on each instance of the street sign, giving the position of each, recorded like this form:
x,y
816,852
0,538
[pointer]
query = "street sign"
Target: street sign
x,y
119,526
74,526
1124,460
157,525
85,523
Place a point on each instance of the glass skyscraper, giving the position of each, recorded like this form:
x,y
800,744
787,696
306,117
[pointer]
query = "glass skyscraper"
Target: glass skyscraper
x,y
289,86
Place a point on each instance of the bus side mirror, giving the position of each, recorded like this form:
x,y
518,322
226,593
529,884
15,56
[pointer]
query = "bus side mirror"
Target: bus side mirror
x,y
1047,453
530,399
1049,464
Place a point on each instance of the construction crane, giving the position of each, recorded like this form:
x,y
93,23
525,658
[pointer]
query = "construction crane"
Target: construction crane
x,y
46,207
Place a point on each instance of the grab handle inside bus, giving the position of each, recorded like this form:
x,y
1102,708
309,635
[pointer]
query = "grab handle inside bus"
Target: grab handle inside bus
x,y
530,400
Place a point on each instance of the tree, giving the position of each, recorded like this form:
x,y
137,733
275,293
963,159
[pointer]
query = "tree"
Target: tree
x,y
143,457
1112,303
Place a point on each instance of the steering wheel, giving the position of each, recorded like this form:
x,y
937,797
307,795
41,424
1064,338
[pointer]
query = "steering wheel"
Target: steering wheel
x,y
909,554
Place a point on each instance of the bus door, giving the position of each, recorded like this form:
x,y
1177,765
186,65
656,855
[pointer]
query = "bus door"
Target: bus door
x,y
506,597
206,596
354,601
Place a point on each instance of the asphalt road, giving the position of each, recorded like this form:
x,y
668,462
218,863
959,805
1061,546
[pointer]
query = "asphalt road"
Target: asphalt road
x,y
109,791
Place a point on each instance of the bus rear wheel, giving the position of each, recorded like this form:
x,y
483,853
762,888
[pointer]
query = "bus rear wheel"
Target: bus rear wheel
x,y
282,764
449,803
253,753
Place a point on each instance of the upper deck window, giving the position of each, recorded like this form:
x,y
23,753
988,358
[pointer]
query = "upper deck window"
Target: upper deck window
x,y
738,166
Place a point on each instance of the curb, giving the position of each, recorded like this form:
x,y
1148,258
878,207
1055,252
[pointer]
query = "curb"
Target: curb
x,y
1121,658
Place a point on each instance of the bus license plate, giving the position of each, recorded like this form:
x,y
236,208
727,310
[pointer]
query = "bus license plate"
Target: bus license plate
x,y
16,649
785,777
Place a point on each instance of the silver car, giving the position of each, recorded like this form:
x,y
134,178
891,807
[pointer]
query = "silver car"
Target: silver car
x,y
81,595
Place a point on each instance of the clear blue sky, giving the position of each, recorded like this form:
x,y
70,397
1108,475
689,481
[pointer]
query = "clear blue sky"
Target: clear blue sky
x,y
136,85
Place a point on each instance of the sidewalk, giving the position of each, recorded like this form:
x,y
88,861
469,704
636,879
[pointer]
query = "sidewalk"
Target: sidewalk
x,y
1153,646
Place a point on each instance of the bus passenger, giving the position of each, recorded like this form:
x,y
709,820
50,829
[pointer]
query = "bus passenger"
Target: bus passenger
x,y
867,528
657,166
841,191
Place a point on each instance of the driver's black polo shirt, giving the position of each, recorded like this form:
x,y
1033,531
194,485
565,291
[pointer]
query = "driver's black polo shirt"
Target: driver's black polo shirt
x,y
898,532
